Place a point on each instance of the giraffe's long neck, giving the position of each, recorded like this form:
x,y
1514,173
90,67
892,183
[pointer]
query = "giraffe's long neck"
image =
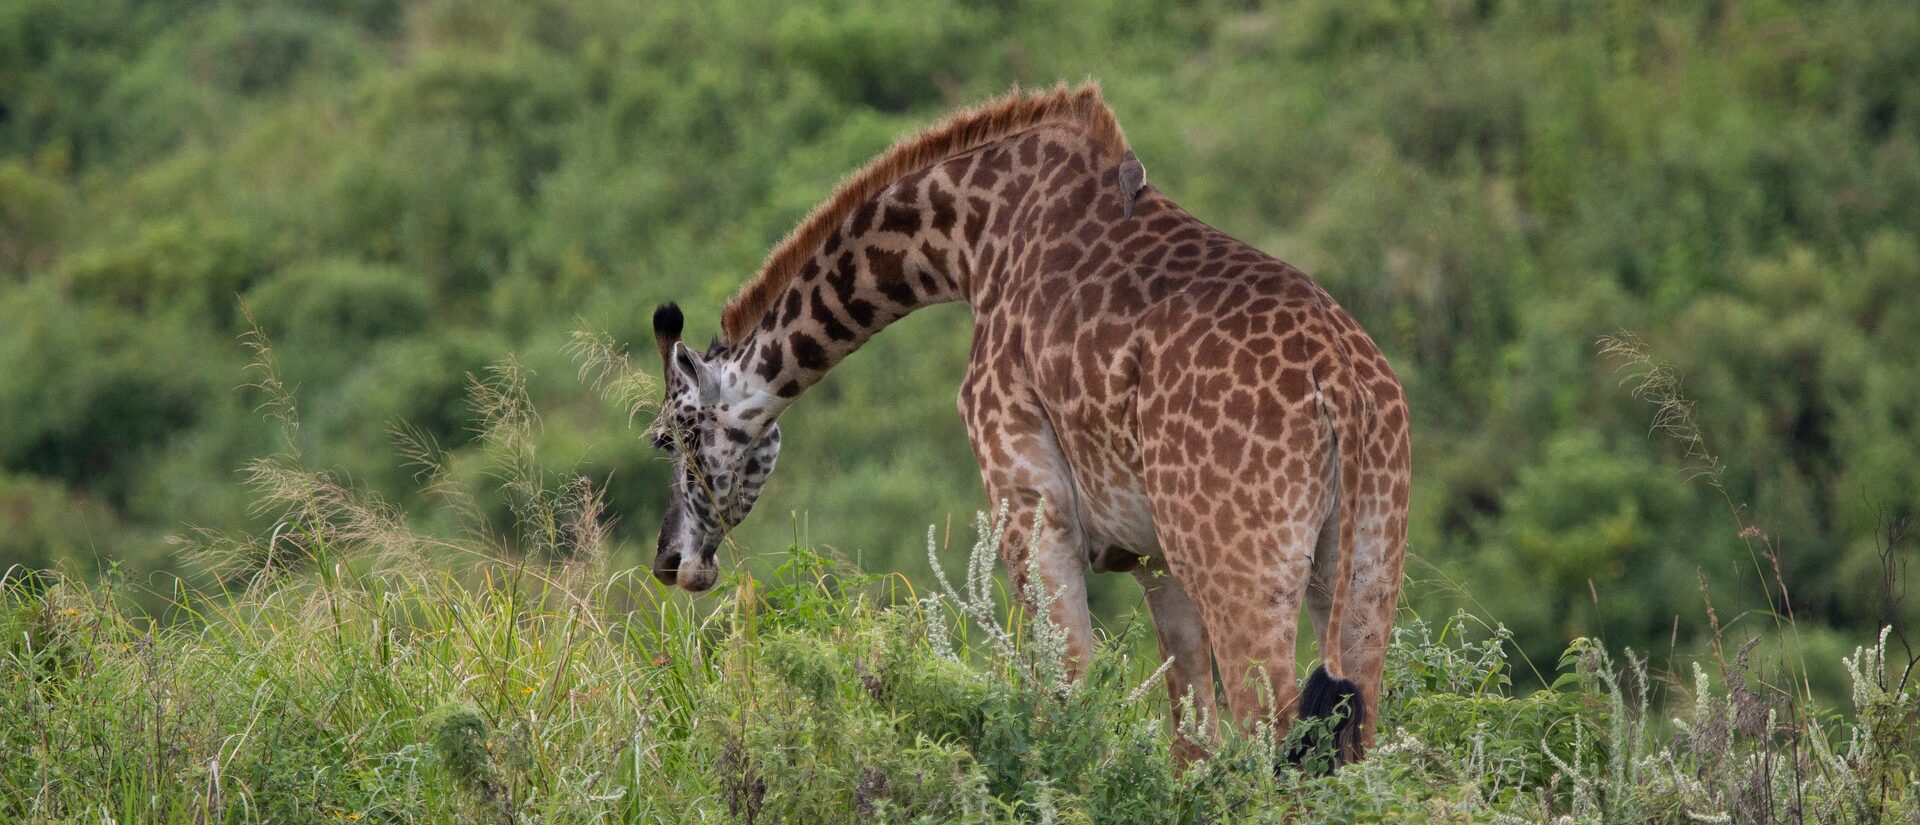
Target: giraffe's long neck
x,y
921,241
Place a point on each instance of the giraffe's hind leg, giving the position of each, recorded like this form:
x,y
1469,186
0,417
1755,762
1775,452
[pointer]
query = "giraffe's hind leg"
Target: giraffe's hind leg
x,y
1247,584
1326,560
1373,599
1183,638
1373,594
1237,465
1239,536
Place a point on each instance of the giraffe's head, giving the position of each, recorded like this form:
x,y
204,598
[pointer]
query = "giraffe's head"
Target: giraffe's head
x,y
723,443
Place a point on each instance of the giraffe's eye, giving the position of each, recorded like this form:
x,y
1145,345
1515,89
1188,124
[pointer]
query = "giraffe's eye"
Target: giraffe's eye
x,y
664,433
676,433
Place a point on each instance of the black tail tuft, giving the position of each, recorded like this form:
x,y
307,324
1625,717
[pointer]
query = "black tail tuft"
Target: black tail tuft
x,y
1327,697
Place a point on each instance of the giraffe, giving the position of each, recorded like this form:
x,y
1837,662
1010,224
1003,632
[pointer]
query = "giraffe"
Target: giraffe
x,y
1167,400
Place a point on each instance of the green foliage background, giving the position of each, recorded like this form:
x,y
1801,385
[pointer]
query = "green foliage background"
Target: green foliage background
x,y
402,193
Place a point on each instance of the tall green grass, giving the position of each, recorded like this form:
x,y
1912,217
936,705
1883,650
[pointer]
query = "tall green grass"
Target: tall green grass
x,y
351,691
358,667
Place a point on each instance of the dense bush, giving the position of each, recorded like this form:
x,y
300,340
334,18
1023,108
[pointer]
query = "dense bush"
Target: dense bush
x,y
90,387
49,527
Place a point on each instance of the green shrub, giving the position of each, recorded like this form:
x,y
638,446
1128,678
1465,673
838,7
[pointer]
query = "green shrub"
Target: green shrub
x,y
35,213
176,266
881,55
458,734
49,527
340,303
583,691
263,49
91,387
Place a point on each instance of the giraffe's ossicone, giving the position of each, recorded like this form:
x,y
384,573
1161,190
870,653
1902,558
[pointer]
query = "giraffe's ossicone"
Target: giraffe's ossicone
x,y
1189,408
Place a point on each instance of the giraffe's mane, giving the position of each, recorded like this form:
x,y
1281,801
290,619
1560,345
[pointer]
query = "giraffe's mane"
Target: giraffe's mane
x,y
963,132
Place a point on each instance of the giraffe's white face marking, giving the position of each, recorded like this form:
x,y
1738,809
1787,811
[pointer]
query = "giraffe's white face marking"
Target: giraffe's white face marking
x,y
724,445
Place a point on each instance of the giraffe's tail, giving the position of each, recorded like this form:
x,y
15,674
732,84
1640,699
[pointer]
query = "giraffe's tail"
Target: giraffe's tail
x,y
1338,700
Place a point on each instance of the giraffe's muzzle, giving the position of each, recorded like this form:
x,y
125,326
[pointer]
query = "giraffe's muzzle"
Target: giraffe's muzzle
x,y
696,575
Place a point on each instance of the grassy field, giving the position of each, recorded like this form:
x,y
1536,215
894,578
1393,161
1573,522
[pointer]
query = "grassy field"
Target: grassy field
x,y
355,669
368,690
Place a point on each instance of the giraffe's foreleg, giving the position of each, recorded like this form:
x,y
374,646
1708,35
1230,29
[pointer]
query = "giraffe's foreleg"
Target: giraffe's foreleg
x,y
1050,545
1023,469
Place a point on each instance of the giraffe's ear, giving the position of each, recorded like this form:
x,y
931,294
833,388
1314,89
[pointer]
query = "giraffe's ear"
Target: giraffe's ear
x,y
695,371
667,324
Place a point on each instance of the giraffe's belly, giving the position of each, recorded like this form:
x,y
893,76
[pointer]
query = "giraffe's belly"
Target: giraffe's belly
x,y
1085,366
1118,522
1110,492
1090,402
